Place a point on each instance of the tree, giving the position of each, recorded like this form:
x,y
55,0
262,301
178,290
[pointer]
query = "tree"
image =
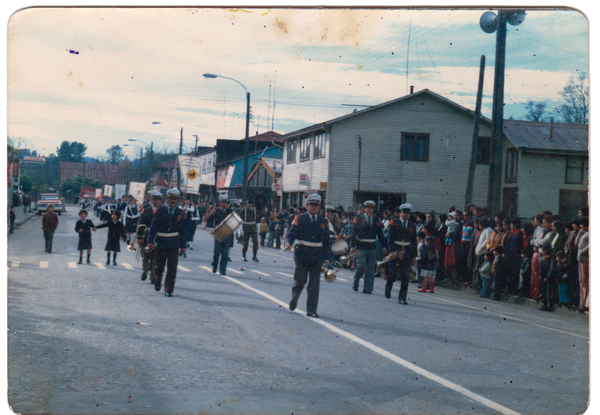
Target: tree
x,y
575,94
535,111
71,152
115,154
73,186
26,184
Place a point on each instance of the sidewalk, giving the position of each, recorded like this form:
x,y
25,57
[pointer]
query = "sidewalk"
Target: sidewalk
x,y
22,217
528,302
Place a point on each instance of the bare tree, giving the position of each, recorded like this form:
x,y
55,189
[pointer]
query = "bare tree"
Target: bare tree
x,y
535,111
575,94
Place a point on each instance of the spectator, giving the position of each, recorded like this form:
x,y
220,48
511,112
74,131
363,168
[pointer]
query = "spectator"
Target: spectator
x,y
571,257
562,279
11,218
428,259
513,256
525,272
583,258
546,276
263,229
498,272
485,271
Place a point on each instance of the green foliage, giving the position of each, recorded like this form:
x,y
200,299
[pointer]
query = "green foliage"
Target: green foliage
x,y
71,152
73,186
115,154
26,184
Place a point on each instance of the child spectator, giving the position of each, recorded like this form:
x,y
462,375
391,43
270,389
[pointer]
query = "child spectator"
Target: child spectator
x,y
263,230
485,271
428,259
83,227
450,257
546,277
271,238
525,273
562,278
499,272
420,239
116,231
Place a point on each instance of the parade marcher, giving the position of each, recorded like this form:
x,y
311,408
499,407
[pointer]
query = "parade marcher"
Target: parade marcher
x,y
167,233
83,227
310,232
116,232
148,211
329,212
188,213
402,232
366,234
248,215
194,217
26,204
49,225
221,249
131,214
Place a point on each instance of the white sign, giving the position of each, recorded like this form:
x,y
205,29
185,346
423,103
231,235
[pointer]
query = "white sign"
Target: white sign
x,y
304,179
35,158
276,187
120,190
99,193
108,189
137,190
190,169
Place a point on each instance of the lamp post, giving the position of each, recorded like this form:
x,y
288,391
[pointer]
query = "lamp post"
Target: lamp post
x,y
141,156
246,140
151,155
180,135
489,23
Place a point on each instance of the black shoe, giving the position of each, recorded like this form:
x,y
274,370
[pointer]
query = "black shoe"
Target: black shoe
x,y
108,262
229,259
355,288
144,276
184,255
245,260
115,263
255,259
80,261
157,285
388,293
293,303
168,295
214,270
88,261
403,302
366,292
222,273
314,315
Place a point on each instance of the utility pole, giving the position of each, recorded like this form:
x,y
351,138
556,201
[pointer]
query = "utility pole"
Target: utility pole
x,y
473,162
180,140
359,167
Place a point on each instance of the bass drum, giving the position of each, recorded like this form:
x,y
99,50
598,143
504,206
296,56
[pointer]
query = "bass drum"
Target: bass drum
x,y
339,247
226,228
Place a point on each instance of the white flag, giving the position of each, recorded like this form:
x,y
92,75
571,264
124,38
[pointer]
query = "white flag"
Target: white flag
x,y
190,169
137,191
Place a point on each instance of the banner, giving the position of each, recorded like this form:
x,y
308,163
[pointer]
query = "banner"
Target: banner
x,y
120,190
189,169
108,189
137,190
99,194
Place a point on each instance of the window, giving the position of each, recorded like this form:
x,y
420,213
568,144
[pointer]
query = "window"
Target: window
x,y
483,150
570,201
291,151
414,147
574,173
305,148
319,146
512,165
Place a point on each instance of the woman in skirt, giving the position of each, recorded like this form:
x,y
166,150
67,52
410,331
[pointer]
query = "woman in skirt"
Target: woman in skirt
x,y
116,231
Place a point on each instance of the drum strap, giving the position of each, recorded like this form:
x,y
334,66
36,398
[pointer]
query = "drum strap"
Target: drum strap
x,y
366,240
167,235
311,244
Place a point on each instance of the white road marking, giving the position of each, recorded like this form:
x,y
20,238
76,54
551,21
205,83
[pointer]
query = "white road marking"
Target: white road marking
x,y
183,269
15,264
341,279
43,264
205,268
127,266
285,275
99,265
410,366
261,273
72,264
235,271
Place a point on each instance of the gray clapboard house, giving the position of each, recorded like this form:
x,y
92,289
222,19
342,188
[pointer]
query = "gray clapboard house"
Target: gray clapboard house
x,y
413,149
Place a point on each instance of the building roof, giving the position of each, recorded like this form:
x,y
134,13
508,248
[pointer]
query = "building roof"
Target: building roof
x,y
276,163
533,135
322,126
266,137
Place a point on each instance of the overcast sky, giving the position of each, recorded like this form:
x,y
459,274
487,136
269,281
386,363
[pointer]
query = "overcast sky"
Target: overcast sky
x,y
102,76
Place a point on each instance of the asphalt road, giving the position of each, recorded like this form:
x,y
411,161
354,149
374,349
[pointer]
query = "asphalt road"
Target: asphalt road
x,y
95,339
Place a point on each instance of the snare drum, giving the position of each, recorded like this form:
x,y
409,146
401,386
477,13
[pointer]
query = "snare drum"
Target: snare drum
x,y
339,247
226,228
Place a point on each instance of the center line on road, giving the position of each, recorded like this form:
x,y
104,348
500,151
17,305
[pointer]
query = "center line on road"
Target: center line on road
x,y
43,264
15,264
285,275
411,366
514,318
127,266
183,269
235,271
204,267
99,265
72,265
261,273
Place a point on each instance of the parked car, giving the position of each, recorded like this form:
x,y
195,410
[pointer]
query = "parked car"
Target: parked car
x,y
46,199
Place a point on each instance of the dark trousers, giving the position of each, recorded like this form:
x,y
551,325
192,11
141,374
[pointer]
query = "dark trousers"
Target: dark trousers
x,y
513,265
148,264
168,256
311,271
499,283
250,232
365,266
399,271
48,236
221,253
12,225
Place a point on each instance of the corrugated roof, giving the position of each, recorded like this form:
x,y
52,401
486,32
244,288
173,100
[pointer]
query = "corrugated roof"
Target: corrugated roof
x,y
276,163
532,135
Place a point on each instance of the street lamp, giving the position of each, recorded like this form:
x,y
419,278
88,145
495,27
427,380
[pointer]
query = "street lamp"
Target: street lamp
x,y
180,134
246,140
151,153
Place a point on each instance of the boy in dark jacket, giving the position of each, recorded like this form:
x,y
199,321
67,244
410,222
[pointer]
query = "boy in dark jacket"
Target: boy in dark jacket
x,y
499,272
546,277
116,231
